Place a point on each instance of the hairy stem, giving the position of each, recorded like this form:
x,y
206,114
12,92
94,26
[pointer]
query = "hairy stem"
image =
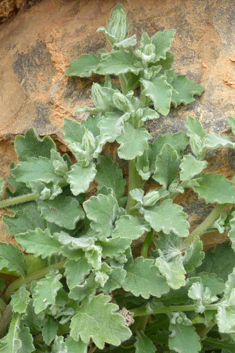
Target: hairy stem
x,y
5,320
168,309
147,242
210,219
135,181
17,200
33,276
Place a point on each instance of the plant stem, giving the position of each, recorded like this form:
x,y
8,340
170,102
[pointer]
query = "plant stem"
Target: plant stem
x,y
123,82
147,241
17,200
167,309
33,276
135,181
5,320
210,219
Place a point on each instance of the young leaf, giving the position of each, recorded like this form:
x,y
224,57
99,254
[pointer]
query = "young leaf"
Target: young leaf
x,y
20,300
39,242
119,62
160,93
59,345
143,278
194,255
213,140
63,210
12,258
112,125
49,330
73,131
97,319
167,217
184,90
85,66
102,211
184,339
144,344
80,178
133,142
162,42
30,145
46,290
215,188
167,166
18,338
190,167
110,176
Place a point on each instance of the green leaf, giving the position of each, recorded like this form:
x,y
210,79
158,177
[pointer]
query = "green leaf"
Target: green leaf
x,y
219,260
112,124
49,330
197,136
215,188
30,145
231,232
129,227
184,90
115,280
174,271
143,278
36,169
74,346
133,142
102,97
194,255
75,271
97,319
73,131
80,178
110,176
20,300
167,217
12,258
85,66
213,140
160,93
144,344
184,339
59,345
231,121
102,211
119,62
46,290
63,210
39,242
190,167
27,217
18,338
212,281
162,42
167,166
85,290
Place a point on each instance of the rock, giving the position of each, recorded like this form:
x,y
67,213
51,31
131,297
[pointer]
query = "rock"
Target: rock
x,y
37,45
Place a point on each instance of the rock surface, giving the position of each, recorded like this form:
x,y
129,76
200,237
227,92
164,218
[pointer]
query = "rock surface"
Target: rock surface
x,y
37,45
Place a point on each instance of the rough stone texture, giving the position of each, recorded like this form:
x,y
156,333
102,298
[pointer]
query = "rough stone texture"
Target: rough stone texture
x,y
38,44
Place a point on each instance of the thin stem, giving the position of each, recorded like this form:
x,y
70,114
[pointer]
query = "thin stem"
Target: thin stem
x,y
33,276
2,305
210,219
17,200
5,320
135,181
123,82
147,241
167,309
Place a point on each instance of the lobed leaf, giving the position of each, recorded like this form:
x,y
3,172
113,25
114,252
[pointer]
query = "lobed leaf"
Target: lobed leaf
x,y
144,344
85,66
97,319
80,178
12,258
39,242
184,339
162,42
191,167
143,278
49,330
20,300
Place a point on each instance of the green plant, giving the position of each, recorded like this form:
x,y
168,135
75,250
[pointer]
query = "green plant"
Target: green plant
x,y
77,287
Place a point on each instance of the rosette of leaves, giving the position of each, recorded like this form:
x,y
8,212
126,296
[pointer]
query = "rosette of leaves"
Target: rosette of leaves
x,y
72,283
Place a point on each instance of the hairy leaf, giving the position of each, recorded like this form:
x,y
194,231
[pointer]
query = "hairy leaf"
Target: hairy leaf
x,y
167,217
12,259
49,330
184,339
85,66
39,242
30,145
97,319
143,278
63,210
162,42
75,271
160,93
174,272
133,142
190,167
75,346
80,178
215,188
20,300
144,344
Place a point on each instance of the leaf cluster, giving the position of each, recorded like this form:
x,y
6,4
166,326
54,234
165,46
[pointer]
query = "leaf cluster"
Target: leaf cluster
x,y
74,282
